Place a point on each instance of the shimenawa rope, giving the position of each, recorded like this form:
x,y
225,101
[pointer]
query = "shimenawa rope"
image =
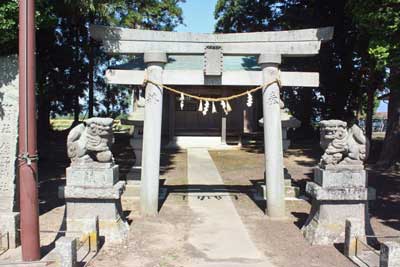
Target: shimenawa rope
x,y
211,99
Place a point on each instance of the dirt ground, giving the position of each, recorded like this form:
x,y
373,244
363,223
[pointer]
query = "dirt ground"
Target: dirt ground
x,y
160,241
280,240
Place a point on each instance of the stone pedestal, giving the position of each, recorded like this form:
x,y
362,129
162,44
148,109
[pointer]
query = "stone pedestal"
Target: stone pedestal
x,y
338,193
93,190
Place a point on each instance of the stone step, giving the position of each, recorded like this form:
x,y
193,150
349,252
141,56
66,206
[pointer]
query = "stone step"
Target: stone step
x,y
131,190
186,142
233,264
290,191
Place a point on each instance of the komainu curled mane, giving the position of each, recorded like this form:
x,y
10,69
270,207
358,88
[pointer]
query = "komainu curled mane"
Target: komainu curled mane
x,y
343,147
91,141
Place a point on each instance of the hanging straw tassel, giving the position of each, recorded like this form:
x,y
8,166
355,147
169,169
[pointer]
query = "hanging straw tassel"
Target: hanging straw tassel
x,y
214,110
249,100
206,107
182,98
200,106
223,105
228,107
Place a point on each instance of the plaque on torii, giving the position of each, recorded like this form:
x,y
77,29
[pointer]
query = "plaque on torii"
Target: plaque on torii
x,y
157,47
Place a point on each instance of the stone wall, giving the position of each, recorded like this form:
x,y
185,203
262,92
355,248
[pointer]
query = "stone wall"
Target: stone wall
x,y
8,147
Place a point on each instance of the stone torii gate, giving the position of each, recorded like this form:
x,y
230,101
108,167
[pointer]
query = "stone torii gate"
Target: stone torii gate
x,y
268,47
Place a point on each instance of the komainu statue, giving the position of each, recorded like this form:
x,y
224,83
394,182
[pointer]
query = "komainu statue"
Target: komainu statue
x,y
343,147
91,140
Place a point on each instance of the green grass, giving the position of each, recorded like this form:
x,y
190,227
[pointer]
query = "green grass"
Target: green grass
x,y
64,124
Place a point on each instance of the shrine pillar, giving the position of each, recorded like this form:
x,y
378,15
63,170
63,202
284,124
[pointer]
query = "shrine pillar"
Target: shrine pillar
x,y
149,188
273,155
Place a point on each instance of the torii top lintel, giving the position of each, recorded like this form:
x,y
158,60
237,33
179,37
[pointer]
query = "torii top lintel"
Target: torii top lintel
x,y
300,43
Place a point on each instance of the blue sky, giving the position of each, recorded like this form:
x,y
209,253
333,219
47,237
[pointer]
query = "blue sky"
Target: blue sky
x,y
383,107
198,16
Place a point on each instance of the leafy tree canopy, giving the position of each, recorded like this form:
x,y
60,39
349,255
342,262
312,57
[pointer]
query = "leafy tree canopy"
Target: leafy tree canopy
x,y
66,56
381,20
9,23
343,63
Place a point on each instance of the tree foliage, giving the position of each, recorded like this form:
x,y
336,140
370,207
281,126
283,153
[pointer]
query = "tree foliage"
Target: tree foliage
x,y
245,15
363,56
9,23
66,56
8,26
380,19
343,62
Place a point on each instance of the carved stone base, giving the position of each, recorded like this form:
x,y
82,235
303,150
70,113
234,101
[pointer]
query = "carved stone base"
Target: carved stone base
x,y
95,193
9,234
326,223
337,197
111,221
350,176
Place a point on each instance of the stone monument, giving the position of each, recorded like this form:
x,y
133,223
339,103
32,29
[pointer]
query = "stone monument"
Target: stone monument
x,y
340,187
93,187
9,217
288,122
136,118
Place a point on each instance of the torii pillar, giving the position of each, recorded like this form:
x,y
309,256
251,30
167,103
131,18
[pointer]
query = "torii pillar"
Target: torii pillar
x,y
273,152
149,188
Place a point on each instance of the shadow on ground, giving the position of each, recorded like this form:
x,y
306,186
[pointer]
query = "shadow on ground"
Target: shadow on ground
x,y
386,207
215,191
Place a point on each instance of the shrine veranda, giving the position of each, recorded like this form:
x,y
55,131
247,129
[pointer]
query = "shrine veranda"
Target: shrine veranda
x,y
202,62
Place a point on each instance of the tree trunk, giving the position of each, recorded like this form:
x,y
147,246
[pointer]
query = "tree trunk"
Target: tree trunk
x,y
77,109
91,72
43,114
307,111
91,80
370,111
390,148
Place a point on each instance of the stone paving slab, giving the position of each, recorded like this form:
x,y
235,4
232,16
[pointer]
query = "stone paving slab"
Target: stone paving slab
x,y
217,234
232,264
